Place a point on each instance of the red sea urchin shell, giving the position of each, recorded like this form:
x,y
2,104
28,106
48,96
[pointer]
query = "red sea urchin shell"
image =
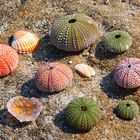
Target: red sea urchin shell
x,y
24,109
127,73
8,60
53,77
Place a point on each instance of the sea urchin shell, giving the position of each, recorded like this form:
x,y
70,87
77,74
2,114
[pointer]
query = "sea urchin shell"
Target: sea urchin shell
x,y
127,73
24,109
82,113
24,42
53,77
74,32
8,60
117,41
127,109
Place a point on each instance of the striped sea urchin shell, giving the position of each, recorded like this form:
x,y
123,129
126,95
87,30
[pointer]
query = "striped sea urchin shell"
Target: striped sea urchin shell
x,y
25,42
127,109
117,41
74,32
8,60
24,109
53,77
82,113
127,73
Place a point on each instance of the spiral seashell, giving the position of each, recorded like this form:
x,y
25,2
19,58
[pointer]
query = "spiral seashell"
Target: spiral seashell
x,y
127,109
117,41
74,32
53,77
25,42
82,113
24,109
127,73
8,60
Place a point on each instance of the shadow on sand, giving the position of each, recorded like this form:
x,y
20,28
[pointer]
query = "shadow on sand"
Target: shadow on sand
x,y
115,111
46,52
102,54
29,90
61,123
6,119
110,87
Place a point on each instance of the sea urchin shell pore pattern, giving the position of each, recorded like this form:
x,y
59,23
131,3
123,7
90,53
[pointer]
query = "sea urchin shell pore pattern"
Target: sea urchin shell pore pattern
x,y
127,109
74,32
24,42
8,60
24,109
117,41
53,77
82,113
127,73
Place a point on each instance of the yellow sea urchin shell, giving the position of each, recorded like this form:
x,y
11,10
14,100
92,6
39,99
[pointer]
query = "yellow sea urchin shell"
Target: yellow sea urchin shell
x,y
24,42
73,32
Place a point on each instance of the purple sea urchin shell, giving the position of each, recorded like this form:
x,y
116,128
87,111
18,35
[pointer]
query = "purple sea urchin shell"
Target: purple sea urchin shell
x,y
53,77
127,73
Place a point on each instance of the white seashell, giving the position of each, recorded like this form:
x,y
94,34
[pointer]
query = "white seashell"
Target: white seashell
x,y
85,70
25,42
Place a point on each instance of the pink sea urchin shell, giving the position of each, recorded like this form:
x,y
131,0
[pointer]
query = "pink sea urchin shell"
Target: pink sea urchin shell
x,y
24,109
127,73
8,60
53,77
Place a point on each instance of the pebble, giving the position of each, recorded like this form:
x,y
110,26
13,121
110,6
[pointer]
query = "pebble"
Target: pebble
x,y
70,62
85,70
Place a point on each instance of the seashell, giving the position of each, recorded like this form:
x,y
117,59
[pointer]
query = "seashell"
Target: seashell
x,y
127,109
74,32
53,77
117,41
85,70
127,73
8,60
82,113
25,42
24,109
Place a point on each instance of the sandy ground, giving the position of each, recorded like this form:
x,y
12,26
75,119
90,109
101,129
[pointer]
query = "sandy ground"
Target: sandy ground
x,y
37,16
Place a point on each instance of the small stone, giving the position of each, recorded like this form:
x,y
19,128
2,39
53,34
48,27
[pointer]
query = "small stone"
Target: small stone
x,y
92,55
85,70
70,62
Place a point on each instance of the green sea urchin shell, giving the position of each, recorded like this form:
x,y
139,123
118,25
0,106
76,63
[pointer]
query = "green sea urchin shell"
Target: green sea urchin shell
x,y
127,109
82,113
117,41
73,32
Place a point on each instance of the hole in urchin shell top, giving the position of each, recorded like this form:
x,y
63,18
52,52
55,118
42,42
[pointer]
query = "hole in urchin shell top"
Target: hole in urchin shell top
x,y
127,104
129,66
83,108
117,36
72,20
50,67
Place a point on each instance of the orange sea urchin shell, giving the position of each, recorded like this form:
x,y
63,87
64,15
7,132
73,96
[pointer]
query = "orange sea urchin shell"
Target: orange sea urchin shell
x,y
25,42
53,77
8,60
24,109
